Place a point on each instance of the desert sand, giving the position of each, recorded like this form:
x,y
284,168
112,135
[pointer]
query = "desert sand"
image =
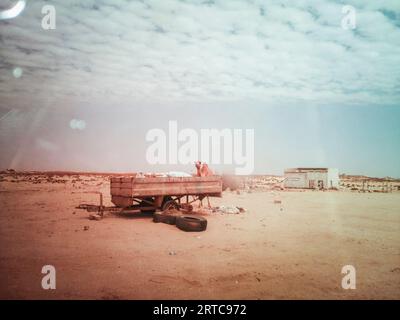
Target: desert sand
x,y
289,250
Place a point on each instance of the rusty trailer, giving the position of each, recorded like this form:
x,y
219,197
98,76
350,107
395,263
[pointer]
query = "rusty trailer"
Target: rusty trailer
x,y
148,194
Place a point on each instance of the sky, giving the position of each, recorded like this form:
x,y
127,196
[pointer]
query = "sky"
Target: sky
x,y
83,96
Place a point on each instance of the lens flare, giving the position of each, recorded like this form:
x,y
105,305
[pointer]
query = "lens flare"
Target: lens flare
x,y
17,72
14,11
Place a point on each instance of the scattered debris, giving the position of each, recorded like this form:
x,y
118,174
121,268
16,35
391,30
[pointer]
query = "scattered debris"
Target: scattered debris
x,y
95,217
229,209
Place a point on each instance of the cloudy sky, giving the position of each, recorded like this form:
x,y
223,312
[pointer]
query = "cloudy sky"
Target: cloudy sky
x,y
287,69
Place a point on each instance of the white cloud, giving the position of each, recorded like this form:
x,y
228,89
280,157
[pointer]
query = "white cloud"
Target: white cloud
x,y
166,51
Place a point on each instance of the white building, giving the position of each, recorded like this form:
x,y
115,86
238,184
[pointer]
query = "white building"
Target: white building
x,y
314,178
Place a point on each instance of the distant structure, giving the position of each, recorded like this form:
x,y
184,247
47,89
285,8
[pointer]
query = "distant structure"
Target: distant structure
x,y
312,178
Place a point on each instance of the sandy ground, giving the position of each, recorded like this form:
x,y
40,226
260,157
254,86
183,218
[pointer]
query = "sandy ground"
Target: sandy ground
x,y
295,249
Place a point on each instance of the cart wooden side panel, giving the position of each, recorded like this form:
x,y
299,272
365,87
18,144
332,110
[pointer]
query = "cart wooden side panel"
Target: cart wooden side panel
x,y
123,189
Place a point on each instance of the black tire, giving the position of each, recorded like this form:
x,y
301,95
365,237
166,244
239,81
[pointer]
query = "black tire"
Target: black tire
x,y
191,223
164,218
145,204
169,204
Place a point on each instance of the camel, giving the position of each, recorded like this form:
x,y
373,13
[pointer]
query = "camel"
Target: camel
x,y
203,170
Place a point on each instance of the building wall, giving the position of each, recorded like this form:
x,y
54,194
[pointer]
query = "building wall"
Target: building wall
x,y
296,180
333,178
316,176
329,178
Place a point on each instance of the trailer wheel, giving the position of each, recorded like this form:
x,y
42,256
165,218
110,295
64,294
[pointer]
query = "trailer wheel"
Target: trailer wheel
x,y
164,218
170,204
145,204
190,223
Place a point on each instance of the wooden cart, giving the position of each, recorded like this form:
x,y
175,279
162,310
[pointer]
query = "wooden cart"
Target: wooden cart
x,y
149,194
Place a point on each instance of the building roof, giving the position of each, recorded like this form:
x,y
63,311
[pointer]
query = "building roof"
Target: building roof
x,y
294,170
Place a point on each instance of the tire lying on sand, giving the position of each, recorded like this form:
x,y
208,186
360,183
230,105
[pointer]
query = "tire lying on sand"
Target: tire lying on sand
x,y
164,218
190,223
